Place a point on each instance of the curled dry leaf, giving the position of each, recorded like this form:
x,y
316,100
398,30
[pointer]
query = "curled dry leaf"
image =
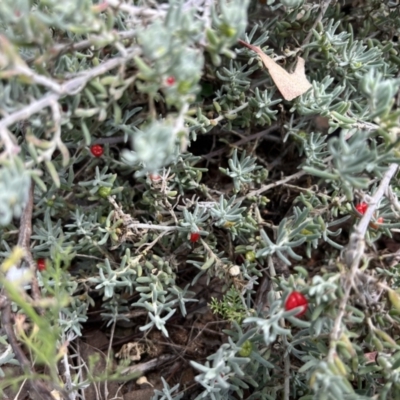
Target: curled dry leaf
x,y
143,381
131,351
290,85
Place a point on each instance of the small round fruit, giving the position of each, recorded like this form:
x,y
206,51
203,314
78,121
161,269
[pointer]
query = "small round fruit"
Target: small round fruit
x,y
194,237
41,264
104,192
246,349
234,270
250,256
155,177
294,300
362,208
170,80
378,222
97,150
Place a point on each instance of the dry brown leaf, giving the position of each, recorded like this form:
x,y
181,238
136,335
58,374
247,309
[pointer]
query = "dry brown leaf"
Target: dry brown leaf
x,y
290,85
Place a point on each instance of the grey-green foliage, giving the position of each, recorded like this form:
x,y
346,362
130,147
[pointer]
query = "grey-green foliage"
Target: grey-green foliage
x,y
379,92
50,237
101,179
110,279
242,170
227,211
72,317
236,80
346,57
288,237
314,147
321,100
71,14
153,147
351,158
183,74
83,228
329,385
323,290
6,355
263,105
229,215
229,18
159,294
169,46
193,221
186,174
167,393
14,190
115,310
222,374
292,3
302,228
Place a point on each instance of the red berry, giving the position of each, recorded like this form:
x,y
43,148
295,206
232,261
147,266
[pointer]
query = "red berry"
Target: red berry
x,y
362,208
97,150
194,237
170,80
296,299
41,264
155,177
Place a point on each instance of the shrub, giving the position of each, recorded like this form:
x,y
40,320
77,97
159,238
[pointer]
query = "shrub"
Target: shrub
x,y
234,157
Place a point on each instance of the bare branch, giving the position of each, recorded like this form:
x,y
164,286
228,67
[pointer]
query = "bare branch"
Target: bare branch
x,y
24,238
355,251
70,87
321,14
59,49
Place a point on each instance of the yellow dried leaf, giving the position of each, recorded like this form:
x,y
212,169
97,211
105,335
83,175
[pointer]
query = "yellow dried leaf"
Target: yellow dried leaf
x,y
290,85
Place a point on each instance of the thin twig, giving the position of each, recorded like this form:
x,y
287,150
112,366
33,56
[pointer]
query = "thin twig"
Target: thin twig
x,y
262,134
286,357
129,222
70,87
321,14
24,241
354,253
6,323
60,49
141,12
265,188
222,116
37,385
109,355
24,238
149,365
286,361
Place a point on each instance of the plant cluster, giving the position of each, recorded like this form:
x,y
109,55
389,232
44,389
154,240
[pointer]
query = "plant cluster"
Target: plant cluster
x,y
165,179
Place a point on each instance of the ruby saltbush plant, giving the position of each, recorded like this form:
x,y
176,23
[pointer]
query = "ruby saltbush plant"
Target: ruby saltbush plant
x,y
206,185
